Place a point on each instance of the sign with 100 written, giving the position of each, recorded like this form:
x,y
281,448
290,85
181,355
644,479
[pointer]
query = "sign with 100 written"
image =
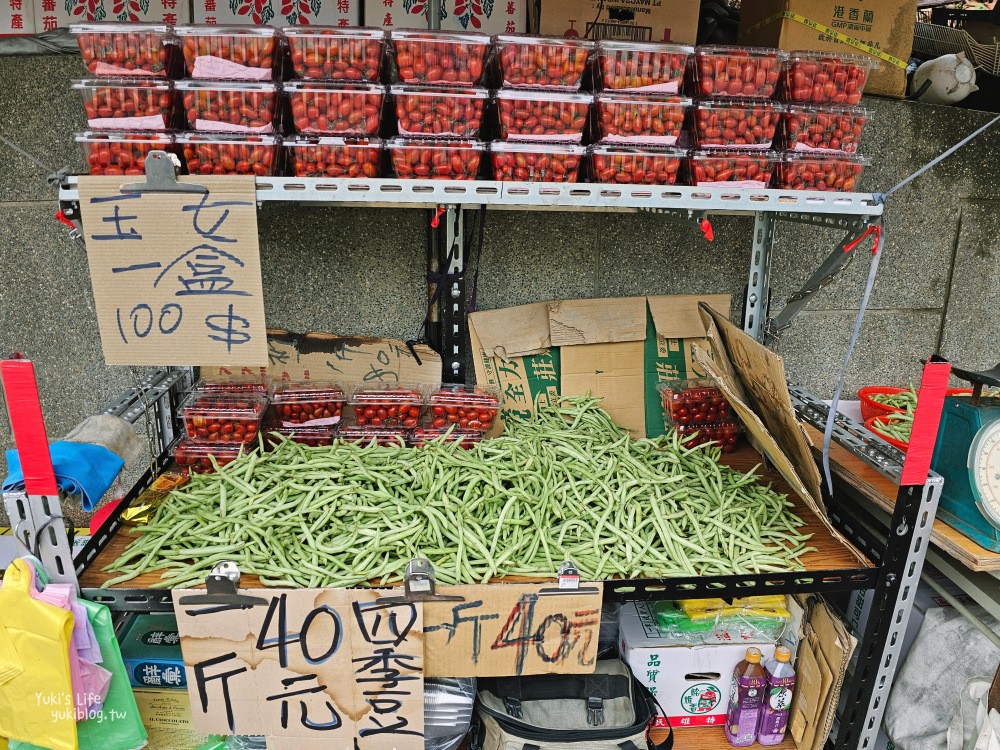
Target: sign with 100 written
x,y
176,276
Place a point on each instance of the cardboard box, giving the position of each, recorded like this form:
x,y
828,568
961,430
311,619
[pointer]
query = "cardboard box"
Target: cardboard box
x,y
17,18
691,683
613,348
151,650
279,12
636,20
166,714
485,16
50,14
886,25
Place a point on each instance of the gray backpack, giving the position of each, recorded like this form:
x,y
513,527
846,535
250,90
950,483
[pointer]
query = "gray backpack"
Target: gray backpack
x,y
606,710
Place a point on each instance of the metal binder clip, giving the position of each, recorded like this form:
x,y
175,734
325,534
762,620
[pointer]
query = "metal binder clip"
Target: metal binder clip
x,y
161,177
222,585
419,584
595,712
569,582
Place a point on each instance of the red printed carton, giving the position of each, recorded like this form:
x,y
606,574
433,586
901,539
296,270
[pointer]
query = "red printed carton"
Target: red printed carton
x,y
279,12
485,16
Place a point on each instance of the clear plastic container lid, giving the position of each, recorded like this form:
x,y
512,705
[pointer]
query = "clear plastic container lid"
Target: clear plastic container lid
x,y
119,136
455,37
537,147
613,149
793,157
114,27
397,393
244,407
197,450
621,45
739,102
236,139
365,434
410,143
152,84
836,110
720,50
190,84
319,32
649,100
297,392
537,95
460,395
422,435
685,384
554,41
834,58
303,141
439,91
236,383
734,153
295,87
237,31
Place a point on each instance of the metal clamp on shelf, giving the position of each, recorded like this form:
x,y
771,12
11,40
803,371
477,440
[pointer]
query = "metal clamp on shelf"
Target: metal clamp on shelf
x,y
420,584
222,586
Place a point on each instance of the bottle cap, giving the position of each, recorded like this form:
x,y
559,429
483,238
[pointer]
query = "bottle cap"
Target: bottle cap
x,y
783,653
753,655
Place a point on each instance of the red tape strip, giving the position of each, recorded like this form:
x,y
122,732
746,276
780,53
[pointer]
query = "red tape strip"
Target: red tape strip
x,y
926,421
25,410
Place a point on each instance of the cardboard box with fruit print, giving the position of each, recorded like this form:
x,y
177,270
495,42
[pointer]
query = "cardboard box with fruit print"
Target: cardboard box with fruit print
x,y
50,14
279,12
485,16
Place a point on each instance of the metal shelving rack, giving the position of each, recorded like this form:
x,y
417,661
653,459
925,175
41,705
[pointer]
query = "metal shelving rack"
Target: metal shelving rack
x,y
896,548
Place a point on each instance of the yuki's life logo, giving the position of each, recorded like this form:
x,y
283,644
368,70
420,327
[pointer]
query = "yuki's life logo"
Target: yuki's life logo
x,y
700,698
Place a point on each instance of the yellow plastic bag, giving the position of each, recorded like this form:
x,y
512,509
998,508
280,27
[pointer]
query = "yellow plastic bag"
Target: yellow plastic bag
x,y
37,705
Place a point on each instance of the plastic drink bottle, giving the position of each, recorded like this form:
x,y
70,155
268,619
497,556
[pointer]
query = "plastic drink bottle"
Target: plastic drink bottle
x,y
777,697
746,700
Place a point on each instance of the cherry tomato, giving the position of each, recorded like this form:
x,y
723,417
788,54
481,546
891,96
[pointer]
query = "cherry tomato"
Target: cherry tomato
x,y
542,115
643,65
536,162
123,49
246,47
435,159
825,78
542,62
395,403
735,122
120,98
636,166
425,110
737,71
353,54
753,168
441,58
637,118
233,106
206,414
121,152
335,109
229,154
828,128
310,156
819,172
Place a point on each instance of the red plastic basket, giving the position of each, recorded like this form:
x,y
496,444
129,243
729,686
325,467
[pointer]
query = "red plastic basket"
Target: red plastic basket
x,y
871,408
872,426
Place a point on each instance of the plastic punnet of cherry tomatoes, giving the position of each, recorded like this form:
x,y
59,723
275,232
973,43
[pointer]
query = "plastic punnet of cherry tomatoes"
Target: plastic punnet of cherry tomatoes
x,y
737,71
693,401
643,66
120,152
307,402
736,123
196,458
240,53
640,119
127,49
128,104
230,106
387,437
800,171
421,436
536,162
414,158
467,407
233,384
439,112
527,115
439,58
725,435
218,153
312,435
332,156
328,108
222,418
748,168
824,128
636,165
397,406
825,78
544,62
335,53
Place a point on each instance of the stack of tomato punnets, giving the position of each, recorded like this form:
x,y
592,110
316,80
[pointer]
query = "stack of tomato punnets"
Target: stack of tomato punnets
x,y
438,103
130,101
822,124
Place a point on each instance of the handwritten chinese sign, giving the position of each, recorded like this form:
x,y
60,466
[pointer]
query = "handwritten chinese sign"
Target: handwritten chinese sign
x,y
512,629
176,276
313,668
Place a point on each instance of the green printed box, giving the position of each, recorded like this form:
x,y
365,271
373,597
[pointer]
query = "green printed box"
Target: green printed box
x,y
151,650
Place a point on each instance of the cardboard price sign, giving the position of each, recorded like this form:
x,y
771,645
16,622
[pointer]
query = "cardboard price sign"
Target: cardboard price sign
x,y
512,629
311,669
176,276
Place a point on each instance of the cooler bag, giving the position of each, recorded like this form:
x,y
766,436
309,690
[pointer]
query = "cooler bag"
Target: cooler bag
x,y
607,710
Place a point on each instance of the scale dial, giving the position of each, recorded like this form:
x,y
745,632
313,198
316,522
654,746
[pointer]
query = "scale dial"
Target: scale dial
x,y
984,470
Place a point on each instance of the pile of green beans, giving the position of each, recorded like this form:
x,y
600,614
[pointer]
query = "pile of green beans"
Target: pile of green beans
x,y
897,426
566,483
905,400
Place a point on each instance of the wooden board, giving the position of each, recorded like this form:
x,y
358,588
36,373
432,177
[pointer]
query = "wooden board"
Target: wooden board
x,y
882,492
832,554
707,738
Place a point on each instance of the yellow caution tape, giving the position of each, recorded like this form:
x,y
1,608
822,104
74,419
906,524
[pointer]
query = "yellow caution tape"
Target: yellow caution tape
x,y
842,38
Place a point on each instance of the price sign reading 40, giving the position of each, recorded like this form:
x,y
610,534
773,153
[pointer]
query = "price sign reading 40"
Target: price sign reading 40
x,y
176,276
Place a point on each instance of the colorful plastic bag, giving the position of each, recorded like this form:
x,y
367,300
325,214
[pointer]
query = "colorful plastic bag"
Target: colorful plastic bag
x,y
37,705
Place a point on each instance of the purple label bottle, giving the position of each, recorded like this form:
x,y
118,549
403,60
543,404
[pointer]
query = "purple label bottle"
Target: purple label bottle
x,y
777,697
746,700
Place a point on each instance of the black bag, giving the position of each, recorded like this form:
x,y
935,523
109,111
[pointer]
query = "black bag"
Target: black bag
x,y
606,710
